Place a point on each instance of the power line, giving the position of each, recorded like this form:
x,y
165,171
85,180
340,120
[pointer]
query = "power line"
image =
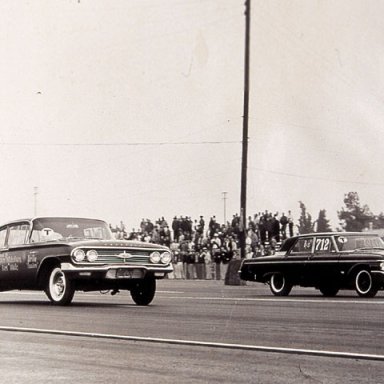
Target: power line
x,y
317,178
133,144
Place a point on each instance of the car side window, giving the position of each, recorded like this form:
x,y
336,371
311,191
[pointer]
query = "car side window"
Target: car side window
x,y
18,234
324,244
3,235
303,245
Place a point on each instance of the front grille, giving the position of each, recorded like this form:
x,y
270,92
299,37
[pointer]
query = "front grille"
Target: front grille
x,y
111,256
113,259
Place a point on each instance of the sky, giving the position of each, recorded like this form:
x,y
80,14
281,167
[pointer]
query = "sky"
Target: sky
x,y
123,110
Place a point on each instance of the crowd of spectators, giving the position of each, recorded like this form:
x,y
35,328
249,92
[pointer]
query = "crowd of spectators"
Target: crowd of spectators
x,y
202,250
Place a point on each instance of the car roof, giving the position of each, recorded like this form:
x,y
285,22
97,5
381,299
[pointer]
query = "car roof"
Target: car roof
x,y
336,234
287,243
47,217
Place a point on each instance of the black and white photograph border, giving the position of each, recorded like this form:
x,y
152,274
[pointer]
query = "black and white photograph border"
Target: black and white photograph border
x,y
218,129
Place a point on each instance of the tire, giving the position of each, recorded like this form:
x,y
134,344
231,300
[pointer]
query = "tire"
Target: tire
x,y
279,285
329,290
144,291
59,289
364,284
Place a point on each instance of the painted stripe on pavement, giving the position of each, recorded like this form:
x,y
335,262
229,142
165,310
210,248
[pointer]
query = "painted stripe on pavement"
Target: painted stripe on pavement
x,y
273,299
259,348
373,301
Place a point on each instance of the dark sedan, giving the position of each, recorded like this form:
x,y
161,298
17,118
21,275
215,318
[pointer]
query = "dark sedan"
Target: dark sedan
x,y
60,255
326,261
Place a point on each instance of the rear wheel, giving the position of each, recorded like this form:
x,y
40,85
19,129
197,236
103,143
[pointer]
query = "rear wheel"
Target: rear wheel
x,y
364,284
59,288
144,291
279,285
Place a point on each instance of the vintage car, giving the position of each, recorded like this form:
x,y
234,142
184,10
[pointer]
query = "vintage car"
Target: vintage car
x,y
326,261
61,255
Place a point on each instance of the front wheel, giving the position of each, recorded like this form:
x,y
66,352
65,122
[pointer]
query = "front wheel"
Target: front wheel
x,y
279,285
143,291
58,288
364,285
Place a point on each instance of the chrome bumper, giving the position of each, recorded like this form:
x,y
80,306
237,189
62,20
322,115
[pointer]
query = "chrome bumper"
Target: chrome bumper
x,y
110,271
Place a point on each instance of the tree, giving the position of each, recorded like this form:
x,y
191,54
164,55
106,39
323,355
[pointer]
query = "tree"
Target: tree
x,y
305,220
379,221
323,222
355,217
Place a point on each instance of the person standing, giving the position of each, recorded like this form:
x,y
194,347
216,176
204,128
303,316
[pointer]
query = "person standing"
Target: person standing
x,y
191,260
275,229
263,234
165,236
290,223
202,223
176,228
248,244
200,265
208,263
177,261
225,258
184,255
215,250
283,223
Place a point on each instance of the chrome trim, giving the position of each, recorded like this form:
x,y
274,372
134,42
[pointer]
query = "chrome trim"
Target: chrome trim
x,y
68,267
123,246
109,255
287,261
378,273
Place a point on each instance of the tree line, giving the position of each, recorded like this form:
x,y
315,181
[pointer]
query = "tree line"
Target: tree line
x,y
354,217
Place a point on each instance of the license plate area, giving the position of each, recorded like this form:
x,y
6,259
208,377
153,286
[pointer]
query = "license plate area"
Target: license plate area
x,y
122,273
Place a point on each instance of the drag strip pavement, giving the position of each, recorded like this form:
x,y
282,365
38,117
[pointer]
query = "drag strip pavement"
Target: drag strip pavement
x,y
309,352
292,325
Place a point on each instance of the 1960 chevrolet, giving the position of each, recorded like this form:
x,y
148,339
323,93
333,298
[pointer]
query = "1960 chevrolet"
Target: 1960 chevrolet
x,y
326,261
63,254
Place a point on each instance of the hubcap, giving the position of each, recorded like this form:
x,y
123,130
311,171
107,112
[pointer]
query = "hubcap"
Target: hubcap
x,y
364,282
58,285
278,282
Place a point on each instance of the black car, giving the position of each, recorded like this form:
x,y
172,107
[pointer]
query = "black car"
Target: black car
x,y
326,261
60,255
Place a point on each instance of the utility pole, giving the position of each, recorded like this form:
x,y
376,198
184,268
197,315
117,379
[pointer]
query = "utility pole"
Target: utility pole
x,y
35,192
243,195
225,206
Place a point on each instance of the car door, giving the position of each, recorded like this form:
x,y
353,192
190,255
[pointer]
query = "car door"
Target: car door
x,y
3,256
297,257
16,255
322,264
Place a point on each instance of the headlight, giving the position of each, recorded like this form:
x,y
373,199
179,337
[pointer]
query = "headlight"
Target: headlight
x,y
92,255
382,266
166,258
79,255
154,257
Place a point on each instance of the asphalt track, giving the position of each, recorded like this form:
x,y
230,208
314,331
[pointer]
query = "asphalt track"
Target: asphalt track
x,y
194,331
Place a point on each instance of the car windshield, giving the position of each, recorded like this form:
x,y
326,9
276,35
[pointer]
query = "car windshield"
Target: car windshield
x,y
356,242
53,228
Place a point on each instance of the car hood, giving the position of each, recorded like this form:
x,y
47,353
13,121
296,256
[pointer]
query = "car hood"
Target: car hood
x,y
89,243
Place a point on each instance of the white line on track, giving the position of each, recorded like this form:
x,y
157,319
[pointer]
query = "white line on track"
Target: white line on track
x,y
299,300
238,299
256,348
